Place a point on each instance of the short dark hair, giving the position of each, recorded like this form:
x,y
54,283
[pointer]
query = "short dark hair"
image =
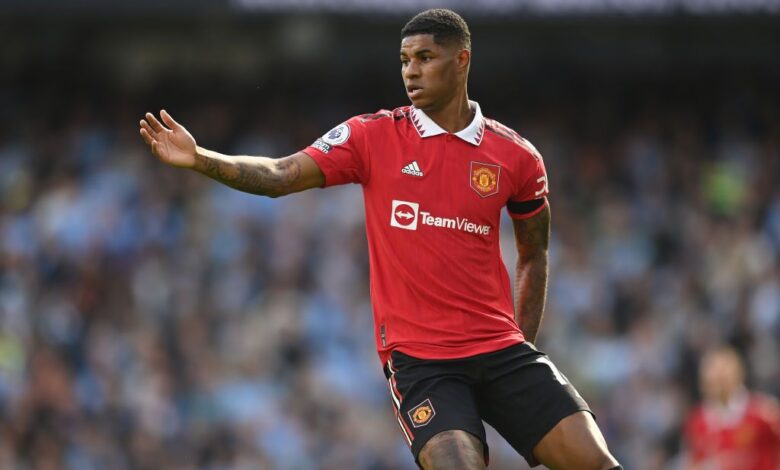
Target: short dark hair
x,y
445,26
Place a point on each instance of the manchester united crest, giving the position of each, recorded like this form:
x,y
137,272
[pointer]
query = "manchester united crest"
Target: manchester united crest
x,y
422,414
484,178
744,435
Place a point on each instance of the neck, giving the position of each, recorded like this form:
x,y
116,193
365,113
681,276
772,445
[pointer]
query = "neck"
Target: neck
x,y
453,116
730,398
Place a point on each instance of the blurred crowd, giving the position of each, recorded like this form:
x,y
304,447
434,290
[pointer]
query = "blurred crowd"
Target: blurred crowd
x,y
153,319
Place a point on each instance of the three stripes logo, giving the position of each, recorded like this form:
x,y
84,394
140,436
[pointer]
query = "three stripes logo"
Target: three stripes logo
x,y
412,169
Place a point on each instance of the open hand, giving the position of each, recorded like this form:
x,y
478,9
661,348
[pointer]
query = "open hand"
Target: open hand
x,y
173,144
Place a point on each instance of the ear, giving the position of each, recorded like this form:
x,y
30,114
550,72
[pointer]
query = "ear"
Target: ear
x,y
464,59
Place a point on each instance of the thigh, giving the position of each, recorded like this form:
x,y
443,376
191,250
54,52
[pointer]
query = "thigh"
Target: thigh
x,y
524,396
450,450
575,443
430,397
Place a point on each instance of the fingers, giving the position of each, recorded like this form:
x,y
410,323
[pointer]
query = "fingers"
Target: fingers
x,y
145,126
153,144
169,121
146,136
154,123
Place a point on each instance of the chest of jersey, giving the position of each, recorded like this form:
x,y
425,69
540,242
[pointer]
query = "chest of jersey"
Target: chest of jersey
x,y
440,181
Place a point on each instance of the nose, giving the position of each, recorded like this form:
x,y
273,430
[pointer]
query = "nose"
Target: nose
x,y
412,70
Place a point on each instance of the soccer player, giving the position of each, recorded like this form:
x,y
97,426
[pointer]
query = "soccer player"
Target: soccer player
x,y
436,176
733,428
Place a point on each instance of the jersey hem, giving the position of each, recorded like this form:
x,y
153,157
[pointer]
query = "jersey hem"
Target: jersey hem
x,y
454,353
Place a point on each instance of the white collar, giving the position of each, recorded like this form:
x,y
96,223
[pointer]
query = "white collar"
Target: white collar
x,y
426,127
731,412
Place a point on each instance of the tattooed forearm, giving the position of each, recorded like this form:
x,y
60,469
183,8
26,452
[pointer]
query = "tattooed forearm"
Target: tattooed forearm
x,y
532,236
256,175
530,295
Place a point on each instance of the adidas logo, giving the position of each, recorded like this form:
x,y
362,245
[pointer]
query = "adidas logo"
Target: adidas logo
x,y
412,169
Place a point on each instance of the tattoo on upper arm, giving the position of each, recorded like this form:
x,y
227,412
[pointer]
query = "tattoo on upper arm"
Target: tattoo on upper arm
x,y
290,169
534,232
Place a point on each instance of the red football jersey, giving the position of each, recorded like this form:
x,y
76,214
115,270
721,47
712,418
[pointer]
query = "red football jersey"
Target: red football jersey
x,y
433,201
743,436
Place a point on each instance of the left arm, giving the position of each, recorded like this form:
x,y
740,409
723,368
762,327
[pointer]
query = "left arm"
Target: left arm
x,y
532,237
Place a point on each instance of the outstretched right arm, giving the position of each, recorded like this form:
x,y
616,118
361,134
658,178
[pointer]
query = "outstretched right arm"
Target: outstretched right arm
x,y
260,175
265,176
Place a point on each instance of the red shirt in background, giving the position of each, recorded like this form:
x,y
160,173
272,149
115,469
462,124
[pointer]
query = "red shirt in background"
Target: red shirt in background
x,y
745,435
433,203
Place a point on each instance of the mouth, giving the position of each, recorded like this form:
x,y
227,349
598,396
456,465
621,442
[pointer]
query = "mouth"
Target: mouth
x,y
413,91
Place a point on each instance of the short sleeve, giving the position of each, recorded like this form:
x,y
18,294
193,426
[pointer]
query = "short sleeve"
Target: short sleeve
x,y
342,153
531,186
692,430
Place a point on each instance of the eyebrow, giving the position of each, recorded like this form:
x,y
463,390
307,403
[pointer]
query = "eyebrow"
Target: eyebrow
x,y
421,51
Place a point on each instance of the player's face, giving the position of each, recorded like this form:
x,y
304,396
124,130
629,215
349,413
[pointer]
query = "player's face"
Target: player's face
x,y
721,376
432,73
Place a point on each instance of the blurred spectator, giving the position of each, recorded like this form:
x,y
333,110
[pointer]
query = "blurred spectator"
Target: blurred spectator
x,y
733,428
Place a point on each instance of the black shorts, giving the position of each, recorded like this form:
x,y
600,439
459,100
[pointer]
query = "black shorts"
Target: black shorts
x,y
516,390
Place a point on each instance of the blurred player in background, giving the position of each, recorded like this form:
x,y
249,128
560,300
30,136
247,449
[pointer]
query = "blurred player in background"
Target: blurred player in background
x,y
435,177
733,429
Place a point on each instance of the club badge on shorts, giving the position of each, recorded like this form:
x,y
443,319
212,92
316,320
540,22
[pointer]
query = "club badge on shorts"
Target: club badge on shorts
x,y
483,178
422,414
